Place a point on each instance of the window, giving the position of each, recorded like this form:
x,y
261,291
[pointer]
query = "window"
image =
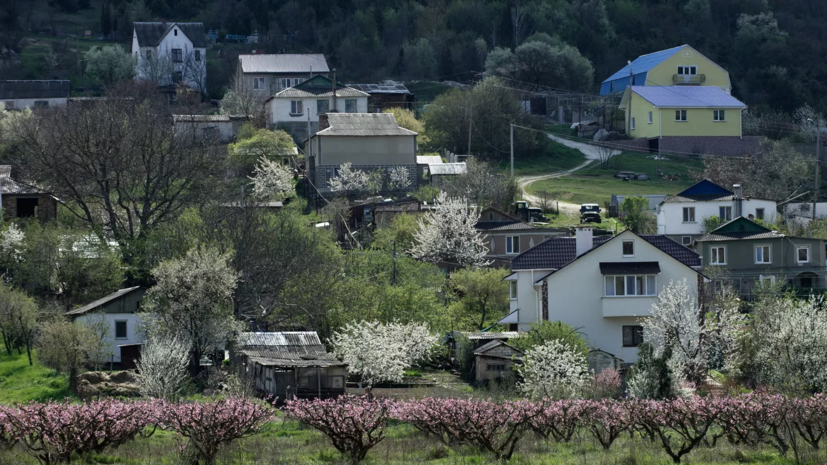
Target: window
x,y
198,55
175,31
258,83
631,285
296,107
628,248
9,105
686,240
41,104
512,244
177,55
725,213
297,81
717,256
718,115
687,70
495,366
650,117
120,330
759,213
680,115
632,336
350,105
688,214
633,122
149,54
512,290
762,254
285,83
322,106
490,217
802,254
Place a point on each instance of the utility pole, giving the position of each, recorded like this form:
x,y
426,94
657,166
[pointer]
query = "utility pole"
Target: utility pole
x,y
393,278
471,115
512,149
818,163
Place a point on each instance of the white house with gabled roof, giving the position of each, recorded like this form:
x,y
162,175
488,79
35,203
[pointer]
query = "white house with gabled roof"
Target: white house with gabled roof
x,y
171,53
601,285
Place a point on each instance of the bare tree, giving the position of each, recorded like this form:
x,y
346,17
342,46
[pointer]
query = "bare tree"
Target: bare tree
x,y
605,153
116,163
156,69
240,99
195,71
519,24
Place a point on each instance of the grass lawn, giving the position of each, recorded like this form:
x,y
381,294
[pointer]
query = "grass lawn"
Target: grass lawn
x,y
596,185
20,382
555,157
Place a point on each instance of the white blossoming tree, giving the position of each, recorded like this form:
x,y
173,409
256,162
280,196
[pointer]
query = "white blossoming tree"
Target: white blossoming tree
x,y
11,242
271,180
447,233
162,368
379,352
676,323
554,369
398,178
790,337
349,180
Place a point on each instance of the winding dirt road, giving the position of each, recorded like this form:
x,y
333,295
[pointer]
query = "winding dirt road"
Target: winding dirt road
x,y
592,155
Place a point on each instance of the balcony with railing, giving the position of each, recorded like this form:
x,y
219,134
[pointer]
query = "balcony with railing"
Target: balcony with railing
x,y
688,79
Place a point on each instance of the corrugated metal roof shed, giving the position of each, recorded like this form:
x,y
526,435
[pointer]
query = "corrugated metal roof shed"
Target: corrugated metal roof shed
x,y
428,159
285,338
448,168
298,92
150,34
34,89
287,345
277,362
688,97
386,87
284,63
363,124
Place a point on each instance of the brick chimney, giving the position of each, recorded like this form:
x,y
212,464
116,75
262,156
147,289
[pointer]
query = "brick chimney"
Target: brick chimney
x,y
583,237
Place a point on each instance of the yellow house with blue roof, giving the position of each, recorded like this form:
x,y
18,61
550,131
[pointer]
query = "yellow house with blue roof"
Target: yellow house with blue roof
x,y
678,66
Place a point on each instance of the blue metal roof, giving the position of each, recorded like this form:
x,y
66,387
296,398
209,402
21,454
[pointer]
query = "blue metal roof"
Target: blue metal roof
x,y
705,187
640,66
688,97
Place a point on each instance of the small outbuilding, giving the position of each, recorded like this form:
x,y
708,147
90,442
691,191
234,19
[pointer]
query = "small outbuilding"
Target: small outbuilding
x,y
291,364
494,360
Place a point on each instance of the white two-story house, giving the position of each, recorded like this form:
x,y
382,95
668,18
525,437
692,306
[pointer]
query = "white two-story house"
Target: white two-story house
x,y
266,75
601,285
681,216
171,53
297,109
115,317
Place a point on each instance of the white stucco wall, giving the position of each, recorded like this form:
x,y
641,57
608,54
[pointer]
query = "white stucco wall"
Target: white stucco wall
x,y
367,150
576,294
670,215
21,103
278,109
132,324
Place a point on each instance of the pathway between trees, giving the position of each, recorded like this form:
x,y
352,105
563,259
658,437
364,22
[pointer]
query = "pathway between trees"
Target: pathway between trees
x,y
592,155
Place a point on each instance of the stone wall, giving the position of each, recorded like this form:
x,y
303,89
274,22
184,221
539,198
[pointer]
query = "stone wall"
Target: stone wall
x,y
701,145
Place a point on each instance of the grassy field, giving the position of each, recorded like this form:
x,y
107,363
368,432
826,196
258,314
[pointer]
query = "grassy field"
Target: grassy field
x,y
556,157
596,185
287,442
20,382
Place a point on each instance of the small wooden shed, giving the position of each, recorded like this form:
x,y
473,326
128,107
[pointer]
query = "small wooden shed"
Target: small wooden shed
x,y
494,360
291,364
600,360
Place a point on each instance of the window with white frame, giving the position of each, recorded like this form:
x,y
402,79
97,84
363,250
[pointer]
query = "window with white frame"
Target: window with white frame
x,y
512,244
177,55
770,279
759,213
717,255
686,240
633,122
512,290
296,107
628,248
630,285
725,213
650,117
719,115
688,214
802,254
687,70
680,115
762,254
259,83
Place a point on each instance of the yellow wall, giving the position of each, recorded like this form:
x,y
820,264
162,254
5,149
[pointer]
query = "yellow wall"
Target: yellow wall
x,y
699,123
640,110
661,75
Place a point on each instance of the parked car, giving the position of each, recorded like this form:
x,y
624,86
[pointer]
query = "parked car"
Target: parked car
x,y
590,213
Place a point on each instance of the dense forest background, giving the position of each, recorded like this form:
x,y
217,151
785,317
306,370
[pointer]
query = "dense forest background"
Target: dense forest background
x,y
773,49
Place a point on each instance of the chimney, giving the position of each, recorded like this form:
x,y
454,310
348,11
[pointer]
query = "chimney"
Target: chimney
x,y
739,197
334,90
583,235
323,122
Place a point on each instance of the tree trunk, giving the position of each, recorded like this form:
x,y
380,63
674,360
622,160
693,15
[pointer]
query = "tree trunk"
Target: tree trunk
x,y
73,379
